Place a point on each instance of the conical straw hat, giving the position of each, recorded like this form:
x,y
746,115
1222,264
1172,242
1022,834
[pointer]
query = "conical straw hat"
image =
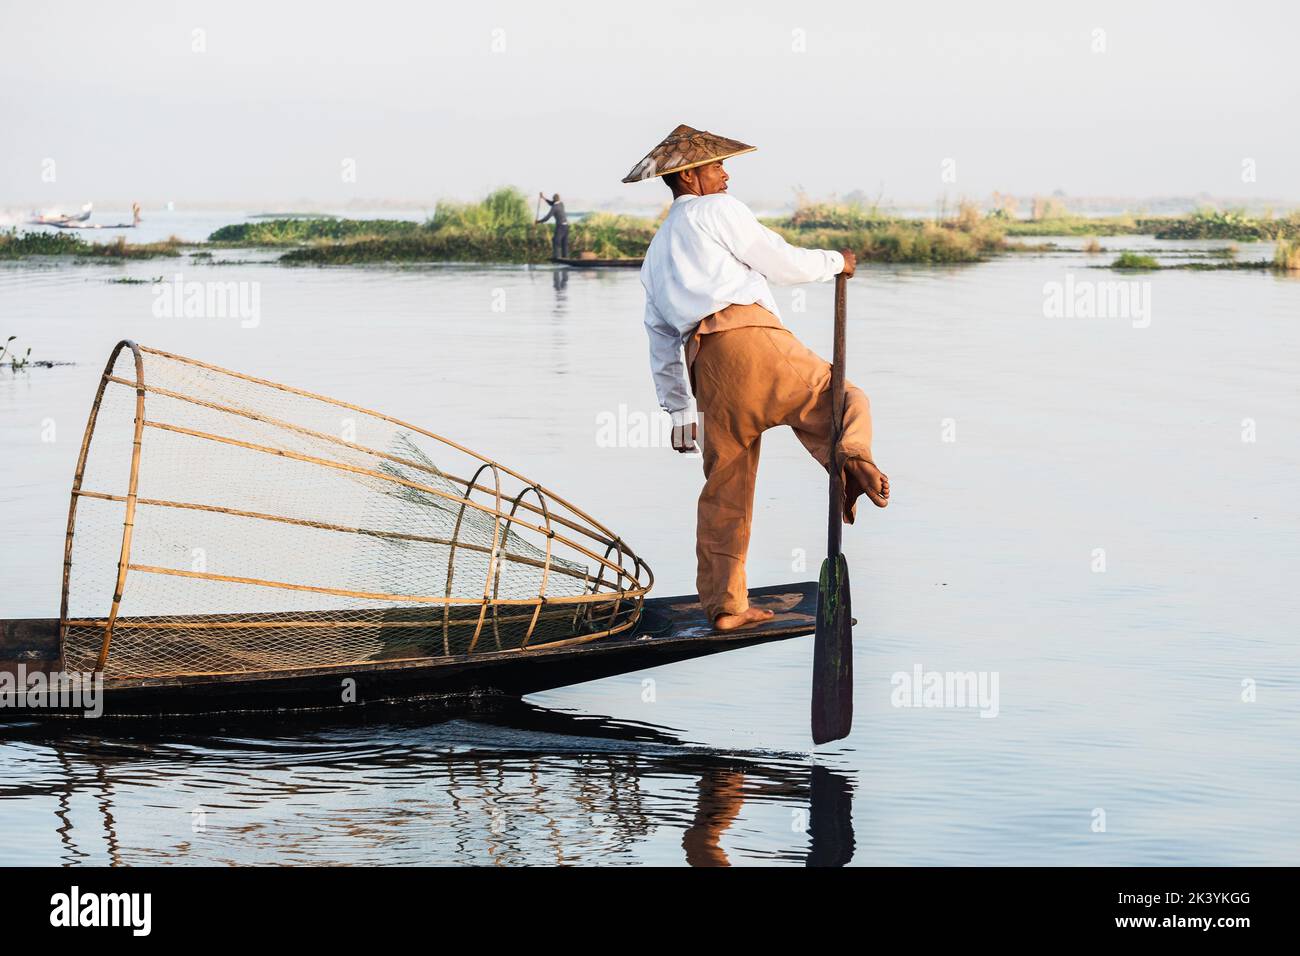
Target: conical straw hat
x,y
683,148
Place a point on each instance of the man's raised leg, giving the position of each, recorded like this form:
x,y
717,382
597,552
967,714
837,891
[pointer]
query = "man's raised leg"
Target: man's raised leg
x,y
861,476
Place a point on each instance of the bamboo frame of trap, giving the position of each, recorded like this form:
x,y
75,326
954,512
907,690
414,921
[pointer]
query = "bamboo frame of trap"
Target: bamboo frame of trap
x,y
625,585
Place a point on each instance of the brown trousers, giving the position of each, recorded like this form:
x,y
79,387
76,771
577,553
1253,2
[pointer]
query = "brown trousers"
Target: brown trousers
x,y
749,374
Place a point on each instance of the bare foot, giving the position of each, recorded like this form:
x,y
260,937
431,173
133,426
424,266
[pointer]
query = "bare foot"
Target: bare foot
x,y
862,477
729,622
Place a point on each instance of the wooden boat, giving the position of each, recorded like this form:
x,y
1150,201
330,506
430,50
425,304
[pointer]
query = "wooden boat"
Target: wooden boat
x,y
233,543
67,221
600,263
669,630
62,219
93,225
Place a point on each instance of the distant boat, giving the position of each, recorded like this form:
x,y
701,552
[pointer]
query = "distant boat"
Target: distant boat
x,y
61,218
599,263
62,221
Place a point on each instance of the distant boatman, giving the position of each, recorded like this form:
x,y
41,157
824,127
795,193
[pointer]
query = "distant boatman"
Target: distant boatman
x,y
559,241
706,276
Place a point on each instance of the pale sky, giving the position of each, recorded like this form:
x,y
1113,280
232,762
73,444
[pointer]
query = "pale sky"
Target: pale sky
x,y
1022,97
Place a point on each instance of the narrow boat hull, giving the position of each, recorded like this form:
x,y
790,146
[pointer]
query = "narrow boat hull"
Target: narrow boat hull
x,y
599,263
671,629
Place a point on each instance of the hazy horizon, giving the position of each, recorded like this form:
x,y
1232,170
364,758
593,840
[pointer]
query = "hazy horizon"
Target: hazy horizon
x,y
267,104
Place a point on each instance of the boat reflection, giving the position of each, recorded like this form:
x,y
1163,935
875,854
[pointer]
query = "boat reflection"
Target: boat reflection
x,y
511,785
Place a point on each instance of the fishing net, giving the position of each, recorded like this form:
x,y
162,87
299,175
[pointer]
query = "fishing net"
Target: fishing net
x,y
225,524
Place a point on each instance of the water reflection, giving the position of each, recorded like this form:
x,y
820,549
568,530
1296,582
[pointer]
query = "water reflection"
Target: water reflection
x,y
512,784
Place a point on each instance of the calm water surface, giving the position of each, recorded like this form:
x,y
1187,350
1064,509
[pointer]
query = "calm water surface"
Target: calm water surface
x,y
1119,690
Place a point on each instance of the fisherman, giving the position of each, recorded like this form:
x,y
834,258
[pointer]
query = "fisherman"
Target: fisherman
x,y
559,241
706,276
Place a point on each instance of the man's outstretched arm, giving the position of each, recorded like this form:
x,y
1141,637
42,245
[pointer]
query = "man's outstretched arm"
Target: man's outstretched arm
x,y
766,252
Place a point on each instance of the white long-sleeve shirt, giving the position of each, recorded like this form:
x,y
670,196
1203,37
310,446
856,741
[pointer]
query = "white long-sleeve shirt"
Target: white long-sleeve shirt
x,y
709,253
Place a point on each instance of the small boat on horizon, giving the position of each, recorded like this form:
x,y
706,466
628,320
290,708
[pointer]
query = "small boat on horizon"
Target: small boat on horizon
x,y
80,221
56,218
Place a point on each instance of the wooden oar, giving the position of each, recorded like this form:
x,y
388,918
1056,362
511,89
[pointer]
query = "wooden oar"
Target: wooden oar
x,y
832,696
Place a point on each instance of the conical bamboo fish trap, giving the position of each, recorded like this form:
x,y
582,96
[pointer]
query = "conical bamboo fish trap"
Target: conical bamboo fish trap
x,y
221,523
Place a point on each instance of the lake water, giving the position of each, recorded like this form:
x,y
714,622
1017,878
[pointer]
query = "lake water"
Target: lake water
x,y
1100,513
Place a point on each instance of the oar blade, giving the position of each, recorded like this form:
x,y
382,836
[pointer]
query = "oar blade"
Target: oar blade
x,y
832,695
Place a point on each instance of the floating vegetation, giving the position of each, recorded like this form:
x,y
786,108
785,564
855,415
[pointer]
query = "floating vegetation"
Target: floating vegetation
x,y
612,236
295,231
452,245
1232,224
501,228
134,280
19,246
119,248
503,210
1067,225
1250,265
16,246
1286,257
1204,224
1219,252
1035,247
831,215
1134,260
920,241
291,215
970,236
